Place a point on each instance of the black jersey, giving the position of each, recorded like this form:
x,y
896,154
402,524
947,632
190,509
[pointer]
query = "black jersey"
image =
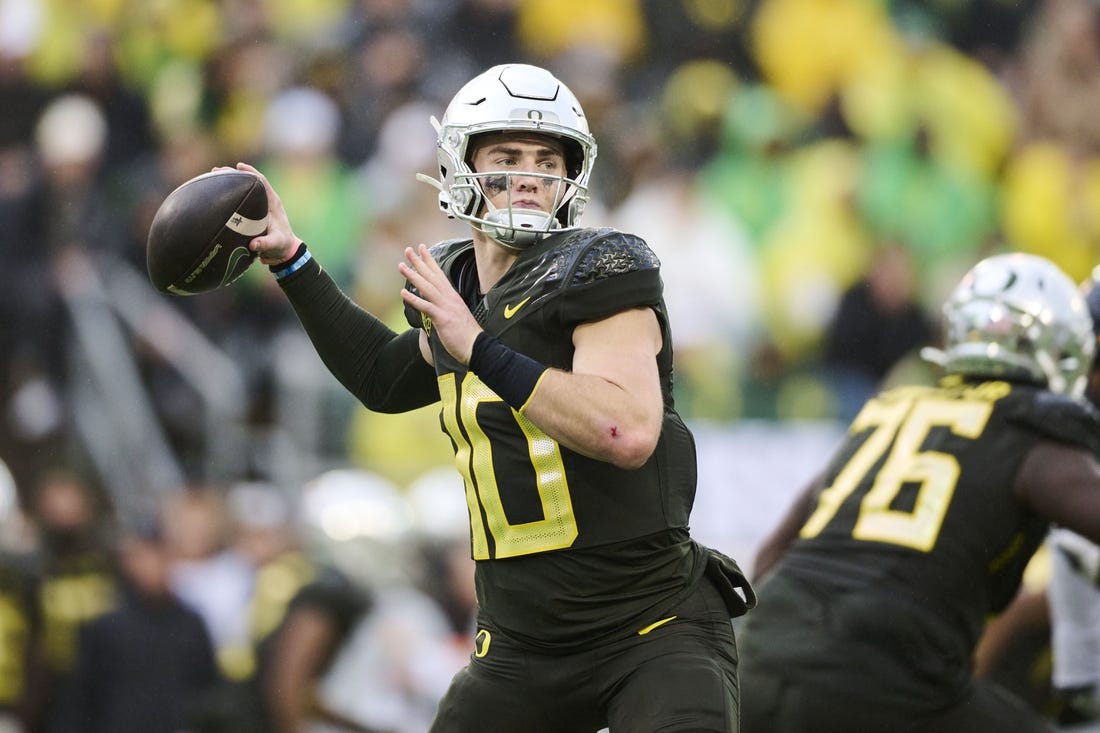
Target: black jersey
x,y
919,509
568,547
19,628
74,589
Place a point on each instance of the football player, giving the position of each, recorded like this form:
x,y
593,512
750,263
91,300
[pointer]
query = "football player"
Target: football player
x,y
548,348
877,584
20,614
1074,596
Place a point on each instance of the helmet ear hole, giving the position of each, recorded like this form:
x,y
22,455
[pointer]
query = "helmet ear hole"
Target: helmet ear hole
x,y
574,159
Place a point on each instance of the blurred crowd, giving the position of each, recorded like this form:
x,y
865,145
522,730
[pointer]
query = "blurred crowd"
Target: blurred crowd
x,y
346,608
811,173
814,174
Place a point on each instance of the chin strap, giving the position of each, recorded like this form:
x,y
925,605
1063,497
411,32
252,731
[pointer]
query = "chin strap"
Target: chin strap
x,y
1056,379
518,229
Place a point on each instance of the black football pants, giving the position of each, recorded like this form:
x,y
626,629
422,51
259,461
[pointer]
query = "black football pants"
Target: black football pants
x,y
681,677
801,672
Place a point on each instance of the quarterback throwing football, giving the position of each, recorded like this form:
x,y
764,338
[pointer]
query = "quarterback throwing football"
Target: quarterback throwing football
x,y
548,348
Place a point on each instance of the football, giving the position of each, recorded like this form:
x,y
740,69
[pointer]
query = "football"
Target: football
x,y
199,237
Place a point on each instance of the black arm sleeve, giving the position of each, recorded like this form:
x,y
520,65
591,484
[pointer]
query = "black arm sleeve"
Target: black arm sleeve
x,y
385,371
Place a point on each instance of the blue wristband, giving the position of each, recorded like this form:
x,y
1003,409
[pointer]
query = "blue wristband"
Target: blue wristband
x,y
507,372
295,263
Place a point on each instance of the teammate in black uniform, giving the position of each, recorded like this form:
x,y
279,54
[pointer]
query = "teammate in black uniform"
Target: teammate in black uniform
x,y
20,615
878,582
548,347
1073,597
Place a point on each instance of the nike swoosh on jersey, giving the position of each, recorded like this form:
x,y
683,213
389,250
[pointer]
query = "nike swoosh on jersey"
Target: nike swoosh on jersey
x,y
653,626
510,310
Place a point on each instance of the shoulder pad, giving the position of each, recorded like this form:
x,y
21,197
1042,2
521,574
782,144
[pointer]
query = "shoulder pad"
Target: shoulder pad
x,y
1061,418
445,253
579,256
610,253
624,267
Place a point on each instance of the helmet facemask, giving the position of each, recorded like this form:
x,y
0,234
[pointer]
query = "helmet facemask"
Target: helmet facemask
x,y
510,225
509,99
1090,289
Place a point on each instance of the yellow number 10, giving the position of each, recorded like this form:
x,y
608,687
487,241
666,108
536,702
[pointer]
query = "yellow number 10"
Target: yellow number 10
x,y
474,458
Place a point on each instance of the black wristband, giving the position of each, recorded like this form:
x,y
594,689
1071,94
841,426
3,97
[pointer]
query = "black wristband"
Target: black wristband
x,y
295,263
507,372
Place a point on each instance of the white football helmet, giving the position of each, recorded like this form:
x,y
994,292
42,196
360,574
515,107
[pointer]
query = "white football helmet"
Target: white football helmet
x,y
512,98
1018,315
1091,290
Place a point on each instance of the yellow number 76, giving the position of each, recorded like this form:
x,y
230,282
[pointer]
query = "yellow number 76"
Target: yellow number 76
x,y
904,425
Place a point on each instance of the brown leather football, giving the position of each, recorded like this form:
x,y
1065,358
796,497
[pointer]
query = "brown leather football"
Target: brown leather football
x,y
199,237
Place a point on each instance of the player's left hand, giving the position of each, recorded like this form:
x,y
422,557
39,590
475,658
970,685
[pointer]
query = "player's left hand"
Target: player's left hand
x,y
437,298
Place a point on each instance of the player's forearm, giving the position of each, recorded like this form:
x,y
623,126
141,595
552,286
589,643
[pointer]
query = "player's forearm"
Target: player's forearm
x,y
384,370
596,418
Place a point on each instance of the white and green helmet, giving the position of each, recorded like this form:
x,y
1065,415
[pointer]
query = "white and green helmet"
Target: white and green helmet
x,y
1018,316
512,98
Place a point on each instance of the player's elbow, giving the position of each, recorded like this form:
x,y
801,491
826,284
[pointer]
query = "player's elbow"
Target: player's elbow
x,y
633,460
629,449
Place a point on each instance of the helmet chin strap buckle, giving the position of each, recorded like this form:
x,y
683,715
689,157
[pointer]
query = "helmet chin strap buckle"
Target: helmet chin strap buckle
x,y
518,228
